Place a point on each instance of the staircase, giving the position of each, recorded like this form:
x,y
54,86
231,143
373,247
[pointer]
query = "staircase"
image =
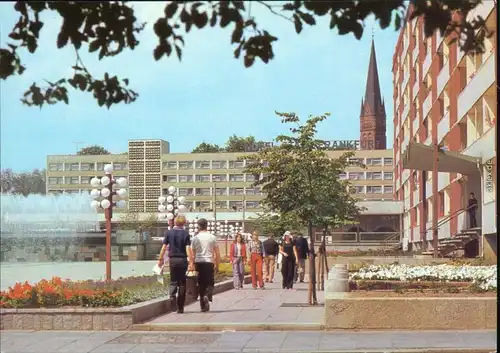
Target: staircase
x,y
448,246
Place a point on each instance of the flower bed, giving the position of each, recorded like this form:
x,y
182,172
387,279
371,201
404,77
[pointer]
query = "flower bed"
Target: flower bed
x,y
57,293
484,277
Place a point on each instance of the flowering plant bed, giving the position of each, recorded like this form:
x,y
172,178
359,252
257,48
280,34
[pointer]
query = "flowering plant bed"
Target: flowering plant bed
x,y
370,252
480,277
400,286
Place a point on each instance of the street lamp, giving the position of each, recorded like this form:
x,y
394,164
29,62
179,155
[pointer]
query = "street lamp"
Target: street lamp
x,y
225,233
171,204
107,204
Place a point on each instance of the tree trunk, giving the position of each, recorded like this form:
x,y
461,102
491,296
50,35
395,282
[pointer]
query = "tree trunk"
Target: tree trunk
x,y
312,267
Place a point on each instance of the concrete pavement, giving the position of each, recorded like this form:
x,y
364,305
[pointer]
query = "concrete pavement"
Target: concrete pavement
x,y
247,309
276,342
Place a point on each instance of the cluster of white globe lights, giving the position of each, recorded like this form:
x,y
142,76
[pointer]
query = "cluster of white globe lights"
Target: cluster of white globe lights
x,y
107,184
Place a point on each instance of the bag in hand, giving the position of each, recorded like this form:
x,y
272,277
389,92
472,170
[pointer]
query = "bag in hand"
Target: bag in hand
x,y
192,284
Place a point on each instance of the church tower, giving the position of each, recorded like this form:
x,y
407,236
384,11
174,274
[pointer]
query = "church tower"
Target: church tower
x,y
372,116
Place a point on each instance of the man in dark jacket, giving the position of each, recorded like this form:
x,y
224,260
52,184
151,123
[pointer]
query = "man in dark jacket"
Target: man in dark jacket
x,y
271,250
472,207
180,257
303,252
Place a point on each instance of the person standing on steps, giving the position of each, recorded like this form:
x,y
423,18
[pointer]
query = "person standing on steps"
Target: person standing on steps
x,y
289,252
238,257
255,250
206,261
180,256
302,246
271,250
472,208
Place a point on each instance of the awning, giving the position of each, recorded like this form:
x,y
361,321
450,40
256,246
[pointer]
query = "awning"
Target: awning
x,y
419,157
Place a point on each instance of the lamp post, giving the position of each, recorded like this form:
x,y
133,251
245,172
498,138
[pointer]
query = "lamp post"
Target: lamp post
x,y
107,204
171,204
225,233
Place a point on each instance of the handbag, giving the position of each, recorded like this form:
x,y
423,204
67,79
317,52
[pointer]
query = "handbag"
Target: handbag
x,y
192,284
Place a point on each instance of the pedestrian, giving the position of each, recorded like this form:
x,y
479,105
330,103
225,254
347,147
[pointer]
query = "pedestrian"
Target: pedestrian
x,y
289,252
255,251
238,257
302,246
280,256
271,250
471,209
206,261
180,258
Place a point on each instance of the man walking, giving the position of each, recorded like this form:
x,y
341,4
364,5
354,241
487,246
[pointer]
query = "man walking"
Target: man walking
x,y
302,246
206,261
472,207
271,250
180,257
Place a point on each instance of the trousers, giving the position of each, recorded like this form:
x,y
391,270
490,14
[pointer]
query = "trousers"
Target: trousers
x,y
178,269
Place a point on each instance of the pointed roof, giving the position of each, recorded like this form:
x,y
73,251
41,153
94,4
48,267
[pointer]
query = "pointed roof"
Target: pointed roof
x,y
373,103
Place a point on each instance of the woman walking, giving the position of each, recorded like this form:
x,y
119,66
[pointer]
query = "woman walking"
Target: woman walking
x,y
289,252
238,256
255,250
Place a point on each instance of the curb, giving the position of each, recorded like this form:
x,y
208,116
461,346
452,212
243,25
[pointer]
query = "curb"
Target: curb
x,y
235,327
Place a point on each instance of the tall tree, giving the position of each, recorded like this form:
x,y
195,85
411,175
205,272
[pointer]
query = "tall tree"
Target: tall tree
x,y
25,183
300,180
93,150
108,28
276,224
243,144
205,147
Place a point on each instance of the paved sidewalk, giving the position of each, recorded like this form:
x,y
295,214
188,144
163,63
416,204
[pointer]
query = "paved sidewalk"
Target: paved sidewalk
x,y
250,308
171,342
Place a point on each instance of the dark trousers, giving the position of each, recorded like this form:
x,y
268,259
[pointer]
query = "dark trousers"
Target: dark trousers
x,y
288,272
206,279
472,219
178,269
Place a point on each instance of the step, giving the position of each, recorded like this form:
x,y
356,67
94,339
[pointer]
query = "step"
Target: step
x,y
451,241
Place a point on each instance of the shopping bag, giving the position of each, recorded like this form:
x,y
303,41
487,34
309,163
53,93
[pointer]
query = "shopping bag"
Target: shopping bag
x,y
158,271
192,284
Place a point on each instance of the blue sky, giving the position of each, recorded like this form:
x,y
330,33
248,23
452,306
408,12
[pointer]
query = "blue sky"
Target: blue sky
x,y
206,97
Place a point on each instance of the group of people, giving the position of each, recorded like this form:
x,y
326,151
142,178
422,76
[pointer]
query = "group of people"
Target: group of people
x,y
201,254
263,256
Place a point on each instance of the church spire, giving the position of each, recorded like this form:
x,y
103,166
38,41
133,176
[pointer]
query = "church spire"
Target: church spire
x,y
373,96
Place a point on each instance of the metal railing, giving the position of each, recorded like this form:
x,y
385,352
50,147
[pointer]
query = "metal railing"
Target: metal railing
x,y
448,218
359,237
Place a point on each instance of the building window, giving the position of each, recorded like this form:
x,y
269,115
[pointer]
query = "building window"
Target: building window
x,y
356,161
185,178
236,191
219,164
184,192
387,175
221,205
219,177
202,178
202,191
252,191
374,161
56,167
221,191
72,192
203,165
374,189
388,189
72,167
252,204
72,180
343,176
87,166
235,205
441,203
185,165
358,189
55,181
388,161
236,177
236,164
203,205
251,177
85,180
120,166
356,175
170,165
374,175
170,178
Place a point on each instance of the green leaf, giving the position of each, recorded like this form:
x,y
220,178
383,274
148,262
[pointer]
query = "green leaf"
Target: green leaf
x,y
237,34
307,18
158,52
93,46
297,22
171,9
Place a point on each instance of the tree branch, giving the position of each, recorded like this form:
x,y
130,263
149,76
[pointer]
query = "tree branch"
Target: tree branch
x,y
270,8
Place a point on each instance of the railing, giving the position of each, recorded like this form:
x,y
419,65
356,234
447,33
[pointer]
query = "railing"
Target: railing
x,y
449,217
359,237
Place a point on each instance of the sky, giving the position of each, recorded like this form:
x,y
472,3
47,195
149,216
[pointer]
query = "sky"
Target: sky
x,y
208,96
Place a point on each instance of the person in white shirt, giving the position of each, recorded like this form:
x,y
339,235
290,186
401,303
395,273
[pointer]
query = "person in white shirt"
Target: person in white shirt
x,y
206,259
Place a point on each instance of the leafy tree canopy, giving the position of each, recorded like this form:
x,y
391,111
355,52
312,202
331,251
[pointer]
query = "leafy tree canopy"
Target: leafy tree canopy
x,y
108,28
23,183
205,147
275,224
93,150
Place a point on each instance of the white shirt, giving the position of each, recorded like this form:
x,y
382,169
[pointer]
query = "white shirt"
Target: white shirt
x,y
238,249
203,246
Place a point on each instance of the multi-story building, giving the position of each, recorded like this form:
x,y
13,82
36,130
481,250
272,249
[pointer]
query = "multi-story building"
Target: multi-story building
x,y
205,179
442,94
